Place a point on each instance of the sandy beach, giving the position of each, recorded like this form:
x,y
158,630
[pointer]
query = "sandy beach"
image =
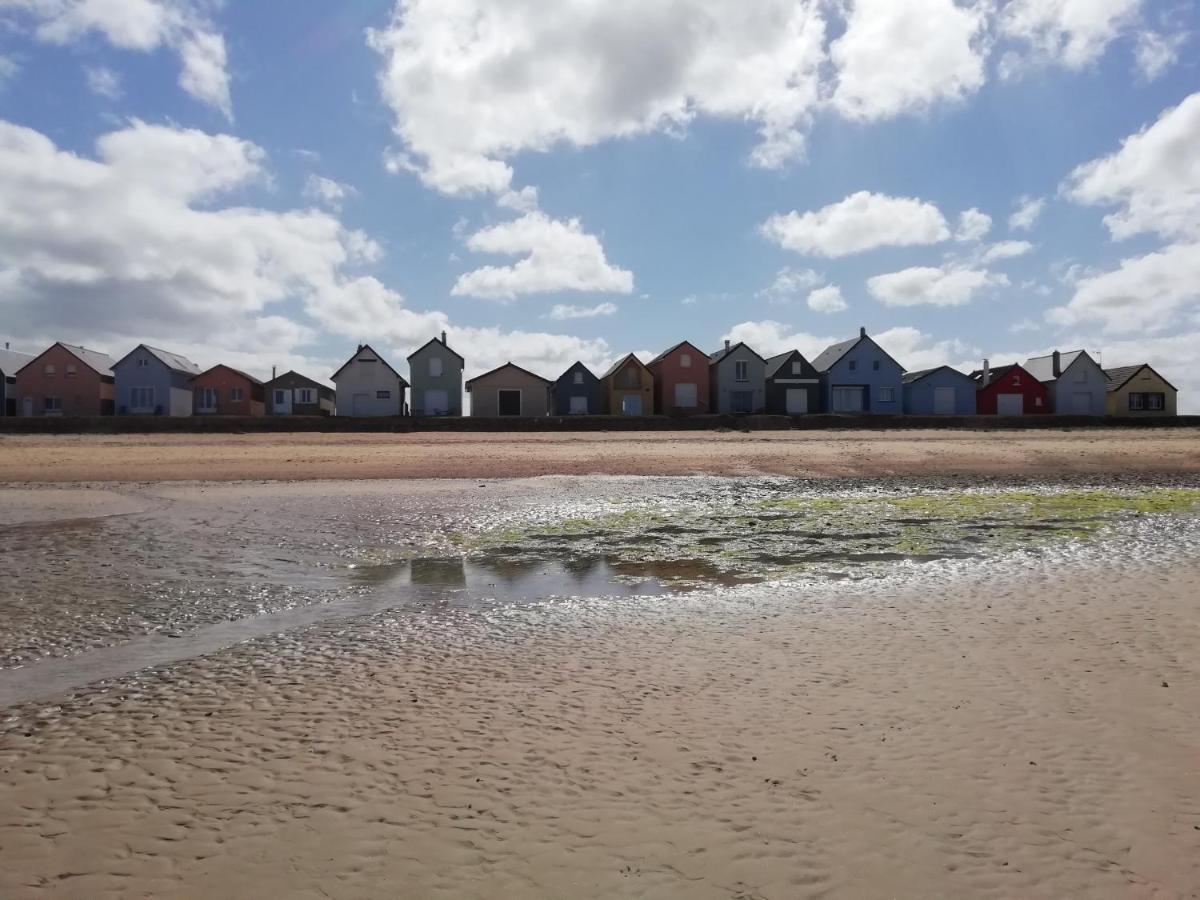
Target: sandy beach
x,y
37,458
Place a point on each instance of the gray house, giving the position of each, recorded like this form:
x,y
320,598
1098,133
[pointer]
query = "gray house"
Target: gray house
x,y
436,374
1076,385
737,380
154,382
293,394
10,362
941,391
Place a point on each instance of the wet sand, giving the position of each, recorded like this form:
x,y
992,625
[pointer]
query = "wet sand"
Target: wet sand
x,y
91,458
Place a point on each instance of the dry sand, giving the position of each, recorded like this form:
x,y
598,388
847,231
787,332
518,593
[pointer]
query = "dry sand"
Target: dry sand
x,y
997,738
803,453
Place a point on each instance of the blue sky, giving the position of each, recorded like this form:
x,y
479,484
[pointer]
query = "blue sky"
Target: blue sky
x,y
267,183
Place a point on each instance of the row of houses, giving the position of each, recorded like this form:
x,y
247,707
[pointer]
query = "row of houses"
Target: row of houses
x,y
856,376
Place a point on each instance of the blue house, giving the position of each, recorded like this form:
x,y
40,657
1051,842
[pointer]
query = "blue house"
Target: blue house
x,y
576,393
153,382
939,392
857,376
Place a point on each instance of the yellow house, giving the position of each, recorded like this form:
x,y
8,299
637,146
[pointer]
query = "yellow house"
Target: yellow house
x,y
628,388
1139,391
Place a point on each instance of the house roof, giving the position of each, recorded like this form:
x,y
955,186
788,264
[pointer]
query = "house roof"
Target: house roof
x,y
101,363
318,385
620,362
995,372
1120,376
507,365
245,375
775,363
363,347
834,352
436,340
176,362
1042,367
671,350
12,360
910,377
576,365
715,358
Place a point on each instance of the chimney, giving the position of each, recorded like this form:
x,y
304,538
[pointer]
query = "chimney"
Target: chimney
x,y
862,332
1056,358
272,373
726,345
443,337
987,373
6,345
359,350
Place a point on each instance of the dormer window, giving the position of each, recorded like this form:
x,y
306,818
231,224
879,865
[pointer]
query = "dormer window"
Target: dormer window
x,y
685,361
435,367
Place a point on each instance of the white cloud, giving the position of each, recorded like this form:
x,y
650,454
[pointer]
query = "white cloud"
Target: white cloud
x,y
1006,250
898,56
548,355
1026,214
973,225
143,26
103,82
1155,53
827,299
327,191
1154,178
472,83
790,283
862,221
524,200
769,338
8,70
926,285
562,311
561,257
1069,33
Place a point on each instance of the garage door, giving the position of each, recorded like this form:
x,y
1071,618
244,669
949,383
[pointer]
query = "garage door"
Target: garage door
x,y
685,396
1082,403
797,401
943,401
1010,404
437,403
579,406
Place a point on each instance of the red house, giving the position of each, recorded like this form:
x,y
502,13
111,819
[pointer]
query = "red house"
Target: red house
x,y
680,380
222,391
1009,391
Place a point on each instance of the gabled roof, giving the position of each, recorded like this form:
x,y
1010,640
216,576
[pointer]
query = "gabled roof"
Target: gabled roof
x,y
576,365
507,365
437,340
834,352
619,363
363,347
775,363
318,385
910,377
996,371
671,350
715,358
12,360
1120,376
176,362
245,375
101,363
1042,367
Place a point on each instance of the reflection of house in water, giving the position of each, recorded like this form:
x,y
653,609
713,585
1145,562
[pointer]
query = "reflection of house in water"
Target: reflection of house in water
x,y
439,572
511,569
581,567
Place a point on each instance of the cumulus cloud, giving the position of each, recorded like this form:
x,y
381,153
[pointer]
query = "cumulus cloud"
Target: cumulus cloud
x,y
863,221
790,283
327,191
1026,214
905,55
561,256
1006,250
827,299
1155,53
103,82
973,225
1068,33
562,311
472,83
8,70
932,286
141,25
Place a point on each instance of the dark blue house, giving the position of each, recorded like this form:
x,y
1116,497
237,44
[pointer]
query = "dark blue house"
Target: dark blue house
x,y
576,393
939,392
857,376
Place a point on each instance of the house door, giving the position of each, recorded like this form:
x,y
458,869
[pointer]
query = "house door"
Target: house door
x,y
848,399
943,401
579,406
797,401
631,405
1010,404
27,407
1081,403
437,403
283,403
685,396
508,403
362,404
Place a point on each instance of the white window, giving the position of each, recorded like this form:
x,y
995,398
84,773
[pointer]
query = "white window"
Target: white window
x,y
48,370
383,395
143,363
685,361
141,398
208,399
1136,401
435,367
71,371
236,395
306,395
847,399
741,370
579,378
887,395
797,368
1156,401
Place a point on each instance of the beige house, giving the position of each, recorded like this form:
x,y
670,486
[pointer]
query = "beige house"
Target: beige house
x,y
509,391
628,388
1139,391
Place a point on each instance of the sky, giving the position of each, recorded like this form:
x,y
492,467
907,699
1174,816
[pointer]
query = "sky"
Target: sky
x,y
268,184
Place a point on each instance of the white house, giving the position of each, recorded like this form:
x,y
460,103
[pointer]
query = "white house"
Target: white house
x,y
367,386
1076,384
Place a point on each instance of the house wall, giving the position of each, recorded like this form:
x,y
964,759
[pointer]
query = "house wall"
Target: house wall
x,y
450,380
670,371
172,390
1014,381
566,388
535,393
293,384
1145,381
86,393
722,383
864,356
1083,375
368,379
8,395
807,379
919,395
629,379
225,380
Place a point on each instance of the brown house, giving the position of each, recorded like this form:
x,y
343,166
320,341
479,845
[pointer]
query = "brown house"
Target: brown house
x,y
509,391
1139,391
680,380
222,391
628,388
66,380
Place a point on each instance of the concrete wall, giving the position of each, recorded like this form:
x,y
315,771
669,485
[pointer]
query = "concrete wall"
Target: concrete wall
x,y
919,396
421,379
1145,381
858,369
1083,376
671,370
723,383
485,393
172,390
365,380
84,393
